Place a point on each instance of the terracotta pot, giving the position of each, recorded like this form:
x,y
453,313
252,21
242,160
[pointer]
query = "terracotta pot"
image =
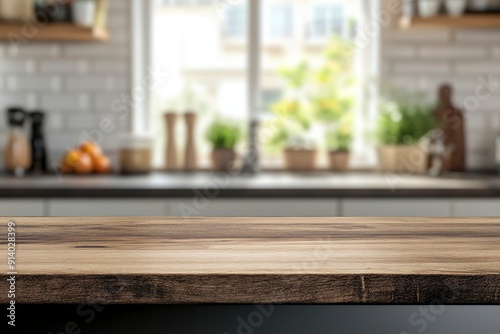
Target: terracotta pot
x,y
339,160
300,160
402,159
223,159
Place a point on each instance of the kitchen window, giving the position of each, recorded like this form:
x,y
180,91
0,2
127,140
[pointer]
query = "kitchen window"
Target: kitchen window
x,y
277,21
327,19
189,40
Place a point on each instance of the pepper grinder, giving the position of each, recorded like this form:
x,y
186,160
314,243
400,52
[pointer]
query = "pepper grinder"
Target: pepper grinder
x,y
17,150
171,151
190,161
38,147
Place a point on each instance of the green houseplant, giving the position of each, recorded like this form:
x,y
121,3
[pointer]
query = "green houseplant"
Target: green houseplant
x,y
402,123
318,96
223,136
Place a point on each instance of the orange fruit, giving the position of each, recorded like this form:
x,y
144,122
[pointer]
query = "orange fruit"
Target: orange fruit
x,y
84,165
102,164
91,148
71,159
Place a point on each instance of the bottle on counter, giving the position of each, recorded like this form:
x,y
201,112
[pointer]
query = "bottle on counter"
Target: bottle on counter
x,y
38,146
17,148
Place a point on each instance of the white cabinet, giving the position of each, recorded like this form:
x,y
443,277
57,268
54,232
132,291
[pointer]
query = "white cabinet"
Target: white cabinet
x,y
264,207
22,208
391,207
104,207
476,207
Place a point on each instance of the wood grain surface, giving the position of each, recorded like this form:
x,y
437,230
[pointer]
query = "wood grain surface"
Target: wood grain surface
x,y
255,260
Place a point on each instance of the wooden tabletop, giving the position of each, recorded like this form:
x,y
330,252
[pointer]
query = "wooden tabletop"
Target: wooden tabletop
x,y
255,260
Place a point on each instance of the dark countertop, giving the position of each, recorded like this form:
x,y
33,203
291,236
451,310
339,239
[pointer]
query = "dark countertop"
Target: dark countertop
x,y
267,184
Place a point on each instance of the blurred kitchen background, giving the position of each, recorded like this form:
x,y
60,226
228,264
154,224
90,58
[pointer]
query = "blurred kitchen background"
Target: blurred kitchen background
x,y
244,108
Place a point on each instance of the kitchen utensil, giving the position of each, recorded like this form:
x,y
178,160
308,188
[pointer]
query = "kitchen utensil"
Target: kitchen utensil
x,y
17,150
452,124
190,161
49,11
171,162
38,147
429,8
455,7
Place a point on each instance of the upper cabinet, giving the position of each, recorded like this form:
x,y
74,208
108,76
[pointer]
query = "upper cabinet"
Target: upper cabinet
x,y
48,20
450,14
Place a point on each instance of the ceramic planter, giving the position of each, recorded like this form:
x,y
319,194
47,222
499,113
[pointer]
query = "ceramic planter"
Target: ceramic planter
x,y
84,12
223,159
300,160
339,160
455,7
428,8
402,159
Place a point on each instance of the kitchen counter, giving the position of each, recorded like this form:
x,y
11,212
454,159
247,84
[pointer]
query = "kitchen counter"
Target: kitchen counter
x,y
255,260
163,185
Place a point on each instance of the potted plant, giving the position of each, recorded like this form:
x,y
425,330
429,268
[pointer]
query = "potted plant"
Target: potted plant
x,y
223,136
401,126
338,142
84,12
293,135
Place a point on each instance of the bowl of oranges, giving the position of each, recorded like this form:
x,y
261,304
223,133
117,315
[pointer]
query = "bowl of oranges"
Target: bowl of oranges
x,y
87,158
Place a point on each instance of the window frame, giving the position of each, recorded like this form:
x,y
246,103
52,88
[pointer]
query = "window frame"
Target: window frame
x,y
141,32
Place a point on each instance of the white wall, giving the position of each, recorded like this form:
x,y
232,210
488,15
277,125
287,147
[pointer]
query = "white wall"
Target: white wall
x,y
74,83
423,59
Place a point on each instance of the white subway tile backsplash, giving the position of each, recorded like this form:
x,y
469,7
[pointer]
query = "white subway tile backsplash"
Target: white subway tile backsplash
x,y
61,66
35,50
399,51
33,83
65,102
96,51
111,66
82,121
13,100
16,66
480,160
483,37
91,83
54,122
496,52
451,52
477,67
419,67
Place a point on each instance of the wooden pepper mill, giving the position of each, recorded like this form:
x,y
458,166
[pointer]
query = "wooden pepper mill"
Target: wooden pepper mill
x,y
452,123
171,147
190,161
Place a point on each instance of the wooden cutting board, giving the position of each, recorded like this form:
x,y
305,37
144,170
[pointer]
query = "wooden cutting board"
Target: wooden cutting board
x,y
453,125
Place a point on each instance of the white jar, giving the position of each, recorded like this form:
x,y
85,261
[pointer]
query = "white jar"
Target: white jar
x,y
429,8
455,7
84,12
16,10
